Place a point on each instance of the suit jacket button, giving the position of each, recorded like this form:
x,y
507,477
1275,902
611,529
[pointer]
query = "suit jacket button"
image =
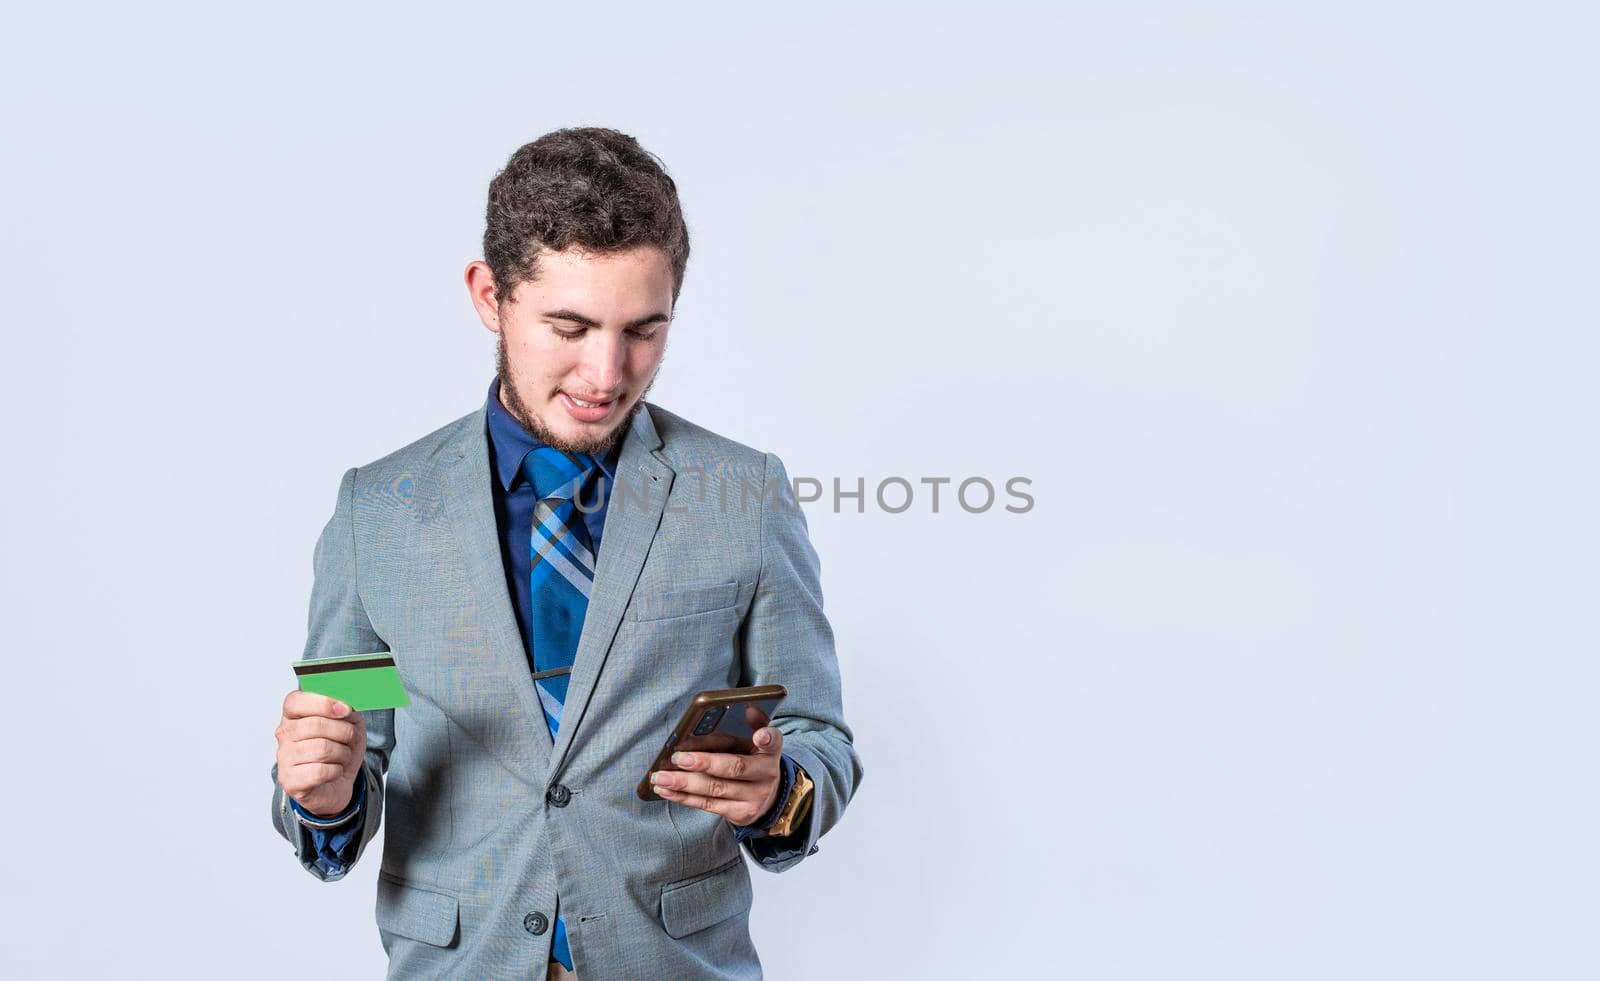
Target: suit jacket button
x,y
535,923
558,795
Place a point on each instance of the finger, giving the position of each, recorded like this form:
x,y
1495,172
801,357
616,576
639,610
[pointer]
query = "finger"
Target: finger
x,y
716,805
735,766
321,751
317,727
304,704
309,776
769,741
749,791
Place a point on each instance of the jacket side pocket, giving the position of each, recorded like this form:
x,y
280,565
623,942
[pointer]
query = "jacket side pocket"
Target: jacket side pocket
x,y
418,913
690,905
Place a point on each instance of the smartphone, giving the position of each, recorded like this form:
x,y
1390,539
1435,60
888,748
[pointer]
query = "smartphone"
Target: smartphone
x,y
720,721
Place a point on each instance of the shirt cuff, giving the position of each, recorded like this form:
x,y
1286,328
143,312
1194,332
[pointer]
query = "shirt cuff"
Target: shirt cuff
x,y
335,840
760,825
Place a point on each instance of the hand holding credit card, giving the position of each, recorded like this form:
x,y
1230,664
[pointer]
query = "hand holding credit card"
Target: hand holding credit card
x,y
365,682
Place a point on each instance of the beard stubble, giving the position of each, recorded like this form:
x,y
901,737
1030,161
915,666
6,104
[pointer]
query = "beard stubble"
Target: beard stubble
x,y
597,446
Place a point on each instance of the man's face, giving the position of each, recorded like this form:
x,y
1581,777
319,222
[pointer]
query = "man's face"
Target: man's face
x,y
581,344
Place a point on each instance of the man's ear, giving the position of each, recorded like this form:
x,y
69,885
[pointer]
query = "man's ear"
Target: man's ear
x,y
481,290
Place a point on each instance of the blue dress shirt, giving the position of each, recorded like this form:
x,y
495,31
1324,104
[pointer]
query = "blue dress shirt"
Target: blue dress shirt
x,y
514,499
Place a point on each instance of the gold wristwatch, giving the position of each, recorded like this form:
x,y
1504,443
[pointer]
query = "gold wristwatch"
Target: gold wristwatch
x,y
796,808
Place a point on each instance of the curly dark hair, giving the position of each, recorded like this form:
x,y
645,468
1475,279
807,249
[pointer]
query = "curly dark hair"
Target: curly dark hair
x,y
589,187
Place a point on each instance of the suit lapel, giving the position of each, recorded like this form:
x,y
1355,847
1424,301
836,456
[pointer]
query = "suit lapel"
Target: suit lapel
x,y
466,499
632,516
468,503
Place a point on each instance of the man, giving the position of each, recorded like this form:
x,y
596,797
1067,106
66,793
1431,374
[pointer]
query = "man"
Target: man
x,y
556,574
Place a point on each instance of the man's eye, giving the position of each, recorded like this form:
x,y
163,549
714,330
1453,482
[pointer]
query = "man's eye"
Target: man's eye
x,y
643,335
568,335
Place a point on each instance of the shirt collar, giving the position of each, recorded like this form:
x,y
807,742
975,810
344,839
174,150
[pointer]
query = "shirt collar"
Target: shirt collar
x,y
511,443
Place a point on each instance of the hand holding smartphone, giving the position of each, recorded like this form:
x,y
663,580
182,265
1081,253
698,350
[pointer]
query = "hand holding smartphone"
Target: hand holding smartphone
x,y
721,721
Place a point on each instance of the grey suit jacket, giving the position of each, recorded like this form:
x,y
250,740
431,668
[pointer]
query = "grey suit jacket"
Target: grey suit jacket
x,y
705,579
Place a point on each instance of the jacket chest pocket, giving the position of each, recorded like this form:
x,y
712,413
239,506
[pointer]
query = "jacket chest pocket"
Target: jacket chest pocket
x,y
683,637
682,601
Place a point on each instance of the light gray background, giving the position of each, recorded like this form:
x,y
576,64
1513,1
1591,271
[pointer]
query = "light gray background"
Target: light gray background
x,y
1289,316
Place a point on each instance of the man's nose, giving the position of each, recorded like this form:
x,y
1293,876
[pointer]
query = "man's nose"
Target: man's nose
x,y
602,361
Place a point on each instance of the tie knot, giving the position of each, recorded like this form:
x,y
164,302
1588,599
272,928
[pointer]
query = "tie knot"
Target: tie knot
x,y
557,474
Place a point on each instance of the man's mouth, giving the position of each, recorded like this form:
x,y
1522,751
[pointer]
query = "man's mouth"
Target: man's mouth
x,y
592,409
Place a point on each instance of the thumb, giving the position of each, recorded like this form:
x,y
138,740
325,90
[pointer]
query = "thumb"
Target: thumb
x,y
769,741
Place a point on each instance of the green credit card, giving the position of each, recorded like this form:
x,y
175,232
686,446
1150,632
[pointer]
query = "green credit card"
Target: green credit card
x,y
364,682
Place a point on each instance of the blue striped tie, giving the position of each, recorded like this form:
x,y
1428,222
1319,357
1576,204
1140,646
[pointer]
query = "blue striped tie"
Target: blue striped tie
x,y
562,570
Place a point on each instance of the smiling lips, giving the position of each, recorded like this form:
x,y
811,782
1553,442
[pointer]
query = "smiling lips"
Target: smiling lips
x,y
587,410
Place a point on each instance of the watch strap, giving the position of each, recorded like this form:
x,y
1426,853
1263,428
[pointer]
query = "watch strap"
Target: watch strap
x,y
796,807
